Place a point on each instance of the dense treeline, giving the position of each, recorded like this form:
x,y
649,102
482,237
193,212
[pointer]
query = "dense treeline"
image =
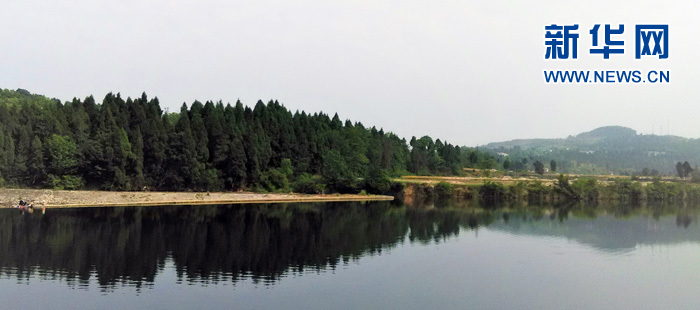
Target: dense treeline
x,y
131,144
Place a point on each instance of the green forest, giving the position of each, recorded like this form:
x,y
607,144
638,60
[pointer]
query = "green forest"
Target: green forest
x,y
133,144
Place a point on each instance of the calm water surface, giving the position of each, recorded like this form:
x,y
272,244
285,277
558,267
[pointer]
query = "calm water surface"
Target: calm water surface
x,y
352,256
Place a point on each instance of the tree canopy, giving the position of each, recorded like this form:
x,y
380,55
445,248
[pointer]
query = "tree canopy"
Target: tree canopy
x,y
132,144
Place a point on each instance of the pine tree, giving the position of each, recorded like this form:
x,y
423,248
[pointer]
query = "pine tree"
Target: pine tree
x,y
234,163
199,130
138,179
35,161
22,149
183,169
127,144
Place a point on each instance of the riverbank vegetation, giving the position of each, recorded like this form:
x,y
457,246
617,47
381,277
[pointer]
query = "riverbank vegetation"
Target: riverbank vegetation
x,y
563,189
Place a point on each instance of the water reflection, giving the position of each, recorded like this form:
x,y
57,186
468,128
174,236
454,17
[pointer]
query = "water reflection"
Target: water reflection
x,y
213,244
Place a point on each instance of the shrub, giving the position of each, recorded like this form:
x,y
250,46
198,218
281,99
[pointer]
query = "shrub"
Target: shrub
x,y
628,190
586,188
518,189
309,184
492,192
444,190
378,182
278,179
275,180
70,182
537,192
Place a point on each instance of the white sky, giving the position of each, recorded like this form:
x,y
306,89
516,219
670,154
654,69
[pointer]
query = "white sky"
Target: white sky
x,y
466,71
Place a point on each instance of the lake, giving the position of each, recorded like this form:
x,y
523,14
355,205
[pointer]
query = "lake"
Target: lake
x,y
378,255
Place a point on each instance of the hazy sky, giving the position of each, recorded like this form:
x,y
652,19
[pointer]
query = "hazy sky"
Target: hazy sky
x,y
466,71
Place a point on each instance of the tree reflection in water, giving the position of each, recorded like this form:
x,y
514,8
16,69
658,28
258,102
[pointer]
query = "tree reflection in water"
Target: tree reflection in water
x,y
130,246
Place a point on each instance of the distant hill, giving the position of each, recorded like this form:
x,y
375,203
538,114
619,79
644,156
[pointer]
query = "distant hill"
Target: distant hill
x,y
607,132
610,149
583,139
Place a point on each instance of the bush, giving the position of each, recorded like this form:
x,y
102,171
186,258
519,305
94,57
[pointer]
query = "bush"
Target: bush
x,y
275,180
628,190
309,184
378,182
563,188
518,189
70,182
537,192
444,190
492,192
692,193
586,188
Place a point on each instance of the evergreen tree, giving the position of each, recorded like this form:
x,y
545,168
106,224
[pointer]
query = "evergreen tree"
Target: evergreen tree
x,y
126,144
183,169
233,165
506,164
539,167
687,170
35,161
22,152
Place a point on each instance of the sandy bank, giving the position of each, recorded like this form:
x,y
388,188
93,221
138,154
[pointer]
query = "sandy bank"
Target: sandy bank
x,y
64,199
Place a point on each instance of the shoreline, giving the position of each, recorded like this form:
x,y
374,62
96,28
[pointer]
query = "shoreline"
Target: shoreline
x,y
77,199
